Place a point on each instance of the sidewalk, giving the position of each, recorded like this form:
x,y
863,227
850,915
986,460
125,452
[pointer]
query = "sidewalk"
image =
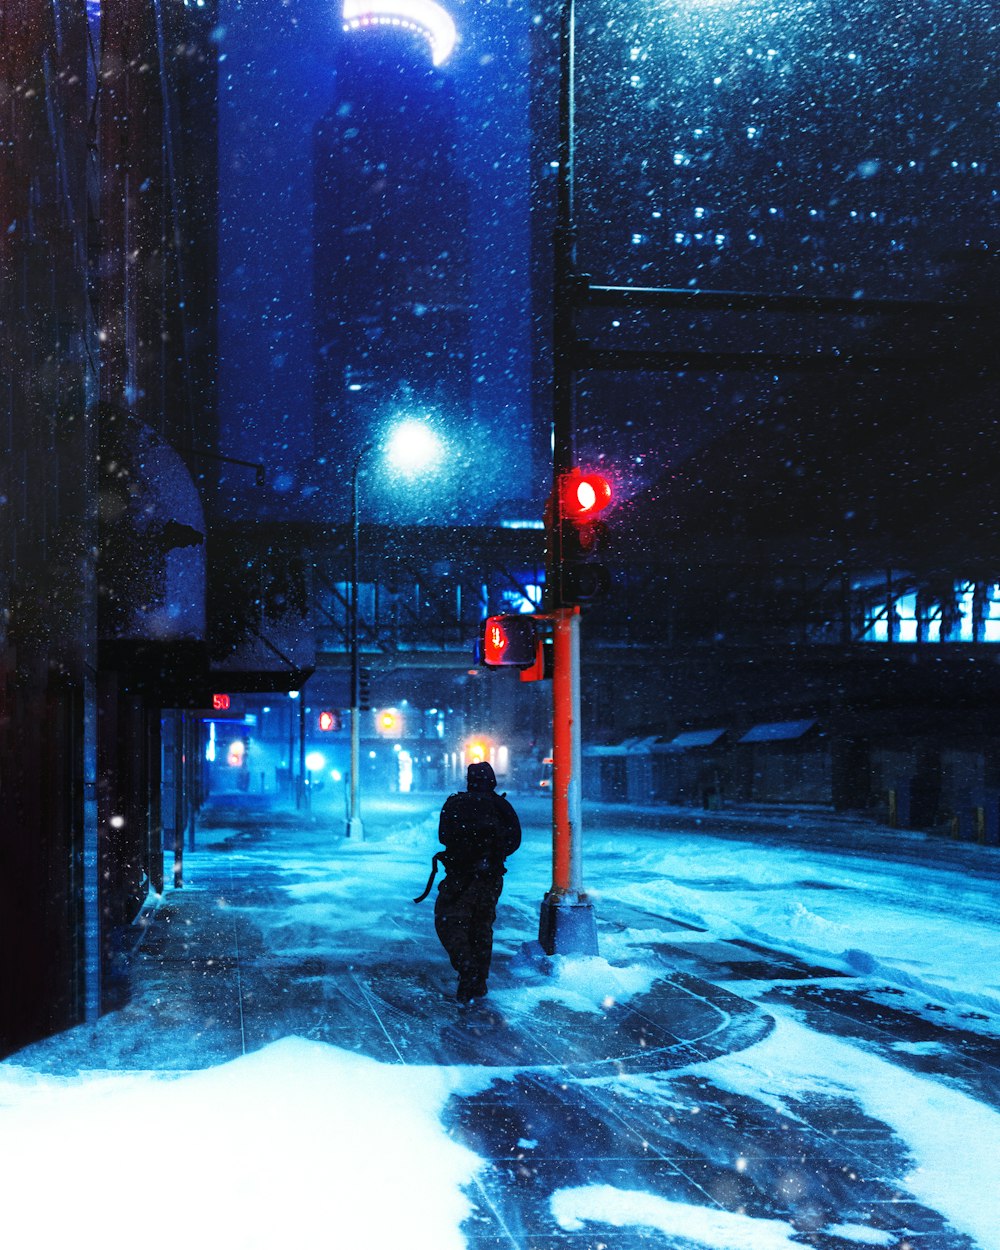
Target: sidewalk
x,y
224,966
293,1068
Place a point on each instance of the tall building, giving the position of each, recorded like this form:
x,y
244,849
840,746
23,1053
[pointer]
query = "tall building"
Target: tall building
x,y
391,283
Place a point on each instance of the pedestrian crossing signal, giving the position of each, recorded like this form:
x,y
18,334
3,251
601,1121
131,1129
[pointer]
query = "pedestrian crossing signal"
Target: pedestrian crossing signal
x,y
509,640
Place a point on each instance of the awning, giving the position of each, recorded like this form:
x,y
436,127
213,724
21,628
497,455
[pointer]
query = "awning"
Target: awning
x,y
629,746
694,738
260,681
778,731
152,537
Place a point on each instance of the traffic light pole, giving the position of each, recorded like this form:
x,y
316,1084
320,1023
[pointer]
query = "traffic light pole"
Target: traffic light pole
x,y
567,924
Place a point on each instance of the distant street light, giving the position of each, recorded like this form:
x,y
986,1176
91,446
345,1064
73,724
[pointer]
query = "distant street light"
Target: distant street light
x,y
411,447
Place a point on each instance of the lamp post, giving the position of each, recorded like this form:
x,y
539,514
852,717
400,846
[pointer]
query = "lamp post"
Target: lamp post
x,y
412,446
355,828
295,783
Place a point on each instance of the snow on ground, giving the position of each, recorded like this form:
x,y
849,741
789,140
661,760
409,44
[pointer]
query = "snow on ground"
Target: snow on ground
x,y
707,1227
283,1146
581,983
911,925
626,1208
298,1144
954,1140
916,925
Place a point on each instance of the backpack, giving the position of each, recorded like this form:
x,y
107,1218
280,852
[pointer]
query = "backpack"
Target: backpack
x,y
471,831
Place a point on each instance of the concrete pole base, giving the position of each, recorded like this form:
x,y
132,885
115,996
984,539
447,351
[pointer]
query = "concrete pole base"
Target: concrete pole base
x,y
355,829
566,928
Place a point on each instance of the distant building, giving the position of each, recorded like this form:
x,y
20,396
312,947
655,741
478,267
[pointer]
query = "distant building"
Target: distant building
x,y
391,283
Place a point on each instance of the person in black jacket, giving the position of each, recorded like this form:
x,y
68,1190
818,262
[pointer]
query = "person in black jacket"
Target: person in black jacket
x,y
479,829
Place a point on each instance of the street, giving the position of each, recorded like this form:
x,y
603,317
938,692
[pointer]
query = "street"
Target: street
x,y
789,1038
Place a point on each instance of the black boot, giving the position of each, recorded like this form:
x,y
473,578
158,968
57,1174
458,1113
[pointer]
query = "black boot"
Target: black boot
x,y
470,988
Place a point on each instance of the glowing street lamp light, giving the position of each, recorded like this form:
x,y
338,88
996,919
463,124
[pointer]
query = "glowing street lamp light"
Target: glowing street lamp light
x,y
413,446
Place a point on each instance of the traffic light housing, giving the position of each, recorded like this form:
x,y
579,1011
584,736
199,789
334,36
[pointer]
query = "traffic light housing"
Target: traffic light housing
x,y
582,498
543,668
509,640
365,690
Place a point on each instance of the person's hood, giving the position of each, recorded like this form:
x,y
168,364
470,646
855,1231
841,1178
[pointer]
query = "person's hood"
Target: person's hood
x,y
481,776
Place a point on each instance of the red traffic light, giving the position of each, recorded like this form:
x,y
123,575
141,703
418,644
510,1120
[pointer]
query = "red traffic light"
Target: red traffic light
x,y
584,495
329,721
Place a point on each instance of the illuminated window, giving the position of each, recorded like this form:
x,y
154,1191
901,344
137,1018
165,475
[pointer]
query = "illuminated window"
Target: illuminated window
x,y
423,17
527,599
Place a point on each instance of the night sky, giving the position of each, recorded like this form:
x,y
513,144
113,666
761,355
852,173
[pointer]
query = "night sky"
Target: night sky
x,y
826,148
276,81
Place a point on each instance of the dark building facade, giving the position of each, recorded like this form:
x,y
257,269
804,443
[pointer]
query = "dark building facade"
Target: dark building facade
x,y
391,282
106,368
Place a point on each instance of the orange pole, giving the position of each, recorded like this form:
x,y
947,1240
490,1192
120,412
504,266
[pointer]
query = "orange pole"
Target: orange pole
x,y
567,925
566,867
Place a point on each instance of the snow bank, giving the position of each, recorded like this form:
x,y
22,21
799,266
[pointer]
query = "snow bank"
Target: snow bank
x,y
700,1226
298,1144
917,926
585,983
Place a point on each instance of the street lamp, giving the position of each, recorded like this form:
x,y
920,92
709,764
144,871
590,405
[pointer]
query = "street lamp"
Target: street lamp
x,y
315,762
411,447
298,784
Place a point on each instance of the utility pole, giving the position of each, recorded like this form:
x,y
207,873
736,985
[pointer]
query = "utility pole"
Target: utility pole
x,y
567,924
